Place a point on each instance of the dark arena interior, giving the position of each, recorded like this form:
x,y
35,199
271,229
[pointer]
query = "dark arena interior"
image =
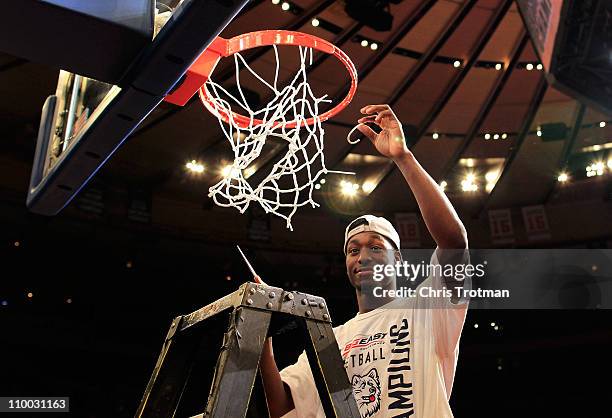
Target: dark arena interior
x,y
108,232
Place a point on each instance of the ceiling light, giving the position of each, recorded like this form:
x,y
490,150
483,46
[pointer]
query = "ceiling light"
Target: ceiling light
x,y
468,187
487,136
317,186
435,135
322,181
602,124
468,184
364,43
443,185
285,6
374,46
315,22
491,176
589,172
195,167
239,136
563,177
539,131
591,148
529,67
368,186
496,136
498,66
457,64
595,169
275,1
249,172
348,188
230,171
540,67
504,136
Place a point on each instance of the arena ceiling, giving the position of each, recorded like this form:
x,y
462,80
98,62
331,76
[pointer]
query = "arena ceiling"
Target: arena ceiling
x,y
462,76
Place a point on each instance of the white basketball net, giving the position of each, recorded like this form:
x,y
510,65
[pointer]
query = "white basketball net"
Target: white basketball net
x,y
294,102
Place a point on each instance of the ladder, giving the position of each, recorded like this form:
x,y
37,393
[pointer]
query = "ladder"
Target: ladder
x,y
253,308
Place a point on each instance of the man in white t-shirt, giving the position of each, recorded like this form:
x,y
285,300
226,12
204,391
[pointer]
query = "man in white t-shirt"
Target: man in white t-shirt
x,y
400,354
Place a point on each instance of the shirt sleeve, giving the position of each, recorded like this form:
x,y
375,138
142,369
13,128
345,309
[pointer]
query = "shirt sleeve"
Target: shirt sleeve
x,y
300,380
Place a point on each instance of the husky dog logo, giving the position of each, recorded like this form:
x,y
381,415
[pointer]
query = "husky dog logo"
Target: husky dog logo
x,y
367,393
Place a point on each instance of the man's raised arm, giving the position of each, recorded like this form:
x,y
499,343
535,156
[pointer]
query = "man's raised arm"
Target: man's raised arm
x,y
439,215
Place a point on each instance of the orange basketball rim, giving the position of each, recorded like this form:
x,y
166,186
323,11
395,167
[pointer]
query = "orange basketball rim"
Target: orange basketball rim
x,y
201,70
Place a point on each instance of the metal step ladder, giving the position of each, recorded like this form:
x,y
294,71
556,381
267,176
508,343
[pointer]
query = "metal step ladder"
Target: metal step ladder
x,y
253,308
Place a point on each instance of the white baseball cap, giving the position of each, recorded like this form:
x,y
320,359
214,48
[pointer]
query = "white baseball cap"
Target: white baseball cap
x,y
371,223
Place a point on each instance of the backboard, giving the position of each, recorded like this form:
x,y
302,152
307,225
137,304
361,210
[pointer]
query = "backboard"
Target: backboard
x,y
85,122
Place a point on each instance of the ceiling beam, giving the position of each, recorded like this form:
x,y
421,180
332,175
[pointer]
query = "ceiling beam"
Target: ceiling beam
x,y
487,106
568,146
431,52
514,148
460,76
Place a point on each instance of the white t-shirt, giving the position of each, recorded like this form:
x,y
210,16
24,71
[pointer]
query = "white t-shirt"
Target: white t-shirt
x,y
400,359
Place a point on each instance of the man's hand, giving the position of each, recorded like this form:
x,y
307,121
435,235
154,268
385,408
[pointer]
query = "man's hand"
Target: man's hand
x,y
390,142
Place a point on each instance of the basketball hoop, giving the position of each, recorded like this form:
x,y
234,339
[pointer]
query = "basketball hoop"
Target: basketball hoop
x,y
292,115
201,70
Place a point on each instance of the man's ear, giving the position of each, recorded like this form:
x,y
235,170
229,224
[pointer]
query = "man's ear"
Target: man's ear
x,y
398,256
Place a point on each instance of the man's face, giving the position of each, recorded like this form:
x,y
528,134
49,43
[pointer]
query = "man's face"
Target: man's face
x,y
363,251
